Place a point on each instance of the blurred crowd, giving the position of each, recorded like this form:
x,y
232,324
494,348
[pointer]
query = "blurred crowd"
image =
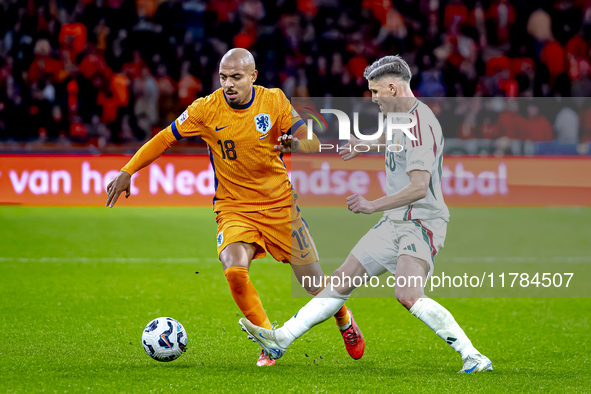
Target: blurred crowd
x,y
100,72
518,126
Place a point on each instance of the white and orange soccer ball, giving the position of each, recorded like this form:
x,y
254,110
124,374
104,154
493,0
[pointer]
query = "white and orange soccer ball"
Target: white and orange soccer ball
x,y
164,339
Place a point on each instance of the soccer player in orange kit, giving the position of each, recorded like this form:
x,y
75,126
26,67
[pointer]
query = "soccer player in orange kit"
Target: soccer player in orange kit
x,y
254,200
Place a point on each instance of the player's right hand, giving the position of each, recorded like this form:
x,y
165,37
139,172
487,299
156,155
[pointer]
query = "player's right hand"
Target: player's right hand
x,y
348,152
122,182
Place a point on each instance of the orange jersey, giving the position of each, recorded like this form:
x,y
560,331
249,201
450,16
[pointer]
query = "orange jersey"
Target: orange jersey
x,y
249,173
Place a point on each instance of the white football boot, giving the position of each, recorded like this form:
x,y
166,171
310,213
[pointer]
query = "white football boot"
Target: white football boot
x,y
264,337
476,363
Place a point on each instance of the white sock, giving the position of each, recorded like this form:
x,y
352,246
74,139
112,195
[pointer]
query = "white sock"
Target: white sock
x,y
346,326
443,323
317,310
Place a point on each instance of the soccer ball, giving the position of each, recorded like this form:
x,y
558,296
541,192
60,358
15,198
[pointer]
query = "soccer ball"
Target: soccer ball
x,y
164,339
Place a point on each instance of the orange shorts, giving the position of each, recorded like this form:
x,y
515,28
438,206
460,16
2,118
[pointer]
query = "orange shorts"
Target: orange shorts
x,y
280,231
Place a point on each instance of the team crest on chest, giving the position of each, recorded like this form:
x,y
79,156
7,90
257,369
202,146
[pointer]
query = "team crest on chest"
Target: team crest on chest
x,y
262,122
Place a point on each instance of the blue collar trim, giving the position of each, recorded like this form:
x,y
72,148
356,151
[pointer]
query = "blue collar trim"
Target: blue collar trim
x,y
240,106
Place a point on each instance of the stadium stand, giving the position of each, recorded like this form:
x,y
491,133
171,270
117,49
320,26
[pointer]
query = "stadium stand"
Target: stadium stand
x,y
105,75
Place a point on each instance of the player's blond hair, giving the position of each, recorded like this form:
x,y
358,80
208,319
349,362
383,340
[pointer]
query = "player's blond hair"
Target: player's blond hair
x,y
393,66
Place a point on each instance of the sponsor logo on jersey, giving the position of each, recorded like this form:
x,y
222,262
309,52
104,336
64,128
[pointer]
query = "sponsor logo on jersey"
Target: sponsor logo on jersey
x,y
184,116
410,247
220,238
419,162
262,122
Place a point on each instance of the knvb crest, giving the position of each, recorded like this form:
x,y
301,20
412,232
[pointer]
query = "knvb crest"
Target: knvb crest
x,y
263,123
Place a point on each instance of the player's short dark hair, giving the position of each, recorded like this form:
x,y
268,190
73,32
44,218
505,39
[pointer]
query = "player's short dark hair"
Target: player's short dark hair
x,y
393,66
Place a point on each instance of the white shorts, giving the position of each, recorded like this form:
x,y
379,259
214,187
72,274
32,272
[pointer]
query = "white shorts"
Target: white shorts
x,y
379,249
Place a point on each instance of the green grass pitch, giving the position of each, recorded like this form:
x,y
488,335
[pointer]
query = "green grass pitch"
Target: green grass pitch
x,y
78,285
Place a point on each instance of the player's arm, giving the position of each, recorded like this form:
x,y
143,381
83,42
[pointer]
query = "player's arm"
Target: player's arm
x,y
187,125
420,157
415,190
295,140
300,140
149,152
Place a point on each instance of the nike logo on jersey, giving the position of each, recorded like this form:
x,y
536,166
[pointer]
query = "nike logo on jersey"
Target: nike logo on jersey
x,y
304,255
221,128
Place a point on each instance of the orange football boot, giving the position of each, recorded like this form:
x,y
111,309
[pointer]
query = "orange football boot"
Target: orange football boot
x,y
265,361
354,342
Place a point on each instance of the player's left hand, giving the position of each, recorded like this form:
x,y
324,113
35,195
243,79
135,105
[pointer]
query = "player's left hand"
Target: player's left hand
x,y
358,204
288,144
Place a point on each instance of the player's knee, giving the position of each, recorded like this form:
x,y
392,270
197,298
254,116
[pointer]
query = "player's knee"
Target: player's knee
x,y
235,256
232,260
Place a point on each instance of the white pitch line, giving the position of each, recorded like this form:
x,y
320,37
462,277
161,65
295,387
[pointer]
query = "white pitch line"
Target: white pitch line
x,y
120,260
103,260
515,259
490,259
195,260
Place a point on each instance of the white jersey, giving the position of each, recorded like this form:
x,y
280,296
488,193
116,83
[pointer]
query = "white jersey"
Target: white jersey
x,y
426,153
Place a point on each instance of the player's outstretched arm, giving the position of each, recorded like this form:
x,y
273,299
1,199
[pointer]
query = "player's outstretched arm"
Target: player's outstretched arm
x,y
415,190
149,152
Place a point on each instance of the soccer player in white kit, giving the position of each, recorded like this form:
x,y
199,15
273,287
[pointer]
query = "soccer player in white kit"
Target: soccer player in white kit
x,y
409,235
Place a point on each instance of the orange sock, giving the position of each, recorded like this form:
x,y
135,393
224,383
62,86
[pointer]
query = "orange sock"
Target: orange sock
x,y
342,316
246,296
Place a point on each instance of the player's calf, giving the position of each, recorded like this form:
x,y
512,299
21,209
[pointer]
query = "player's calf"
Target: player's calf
x,y
408,296
354,342
311,277
406,301
411,279
445,326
